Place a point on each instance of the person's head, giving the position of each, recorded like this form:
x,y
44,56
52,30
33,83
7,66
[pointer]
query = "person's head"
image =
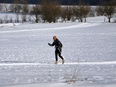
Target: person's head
x,y
54,37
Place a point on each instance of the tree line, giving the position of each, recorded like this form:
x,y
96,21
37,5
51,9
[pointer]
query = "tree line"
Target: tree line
x,y
62,2
52,11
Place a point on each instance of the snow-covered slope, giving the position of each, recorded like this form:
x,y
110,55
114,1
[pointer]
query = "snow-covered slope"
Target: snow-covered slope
x,y
88,48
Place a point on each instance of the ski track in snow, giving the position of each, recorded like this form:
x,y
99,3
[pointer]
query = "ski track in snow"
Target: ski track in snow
x,y
73,63
82,25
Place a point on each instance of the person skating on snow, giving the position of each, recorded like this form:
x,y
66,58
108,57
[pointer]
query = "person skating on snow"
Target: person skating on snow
x,y
58,49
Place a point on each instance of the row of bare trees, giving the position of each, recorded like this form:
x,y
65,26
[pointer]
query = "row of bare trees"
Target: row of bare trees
x,y
52,11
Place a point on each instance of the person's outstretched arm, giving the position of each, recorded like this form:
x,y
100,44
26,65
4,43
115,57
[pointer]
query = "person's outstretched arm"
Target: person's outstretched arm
x,y
51,44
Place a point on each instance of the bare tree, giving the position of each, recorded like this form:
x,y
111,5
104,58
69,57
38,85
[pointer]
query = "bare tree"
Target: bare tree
x,y
1,7
50,10
1,21
36,11
25,10
12,8
11,20
81,12
15,6
69,12
100,10
5,8
64,14
106,9
86,11
56,11
17,18
6,19
92,13
109,12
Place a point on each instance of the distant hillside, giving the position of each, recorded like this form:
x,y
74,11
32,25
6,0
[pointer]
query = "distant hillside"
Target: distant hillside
x,y
63,2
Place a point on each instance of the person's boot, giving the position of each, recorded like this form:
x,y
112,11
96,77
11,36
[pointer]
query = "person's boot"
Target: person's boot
x,y
63,61
56,62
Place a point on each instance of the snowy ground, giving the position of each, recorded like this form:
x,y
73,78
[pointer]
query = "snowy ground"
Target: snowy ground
x,y
88,48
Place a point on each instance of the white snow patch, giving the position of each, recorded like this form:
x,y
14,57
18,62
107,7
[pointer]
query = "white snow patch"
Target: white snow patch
x,y
89,50
64,85
67,63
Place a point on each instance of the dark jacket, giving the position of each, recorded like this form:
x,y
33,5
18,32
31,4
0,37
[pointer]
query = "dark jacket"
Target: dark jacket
x,y
57,44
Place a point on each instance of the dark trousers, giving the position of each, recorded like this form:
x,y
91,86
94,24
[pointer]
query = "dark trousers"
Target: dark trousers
x,y
58,53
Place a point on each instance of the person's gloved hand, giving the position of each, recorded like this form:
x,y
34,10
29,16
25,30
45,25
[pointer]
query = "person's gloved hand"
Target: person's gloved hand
x,y
49,44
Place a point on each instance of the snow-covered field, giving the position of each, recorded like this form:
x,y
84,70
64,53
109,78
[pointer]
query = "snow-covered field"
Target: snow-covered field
x,y
89,50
